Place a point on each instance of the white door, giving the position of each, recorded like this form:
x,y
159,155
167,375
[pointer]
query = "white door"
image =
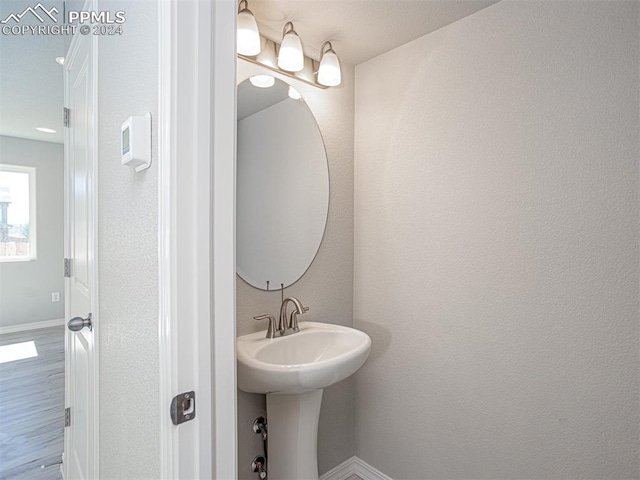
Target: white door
x,y
80,162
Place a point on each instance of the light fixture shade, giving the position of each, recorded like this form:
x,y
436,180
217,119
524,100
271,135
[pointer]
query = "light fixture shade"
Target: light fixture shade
x,y
248,35
294,94
291,57
329,73
262,81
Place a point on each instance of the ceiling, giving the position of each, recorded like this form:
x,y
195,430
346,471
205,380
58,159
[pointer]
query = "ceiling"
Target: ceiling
x,y
31,87
253,99
359,29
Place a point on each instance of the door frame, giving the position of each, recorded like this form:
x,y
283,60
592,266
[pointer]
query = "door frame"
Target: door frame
x,y
196,194
93,244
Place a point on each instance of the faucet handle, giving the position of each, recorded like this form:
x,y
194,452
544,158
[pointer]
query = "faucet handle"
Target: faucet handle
x,y
271,330
293,321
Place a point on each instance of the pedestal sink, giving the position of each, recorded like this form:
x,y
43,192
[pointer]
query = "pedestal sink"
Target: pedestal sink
x,y
292,371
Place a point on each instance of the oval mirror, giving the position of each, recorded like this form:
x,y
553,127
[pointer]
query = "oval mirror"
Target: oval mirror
x,y
282,184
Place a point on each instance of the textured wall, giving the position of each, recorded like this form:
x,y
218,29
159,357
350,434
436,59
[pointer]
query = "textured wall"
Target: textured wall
x,y
327,287
26,287
496,246
128,254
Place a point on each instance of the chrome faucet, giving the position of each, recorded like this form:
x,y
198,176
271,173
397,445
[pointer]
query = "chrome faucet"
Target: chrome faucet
x,y
284,327
287,328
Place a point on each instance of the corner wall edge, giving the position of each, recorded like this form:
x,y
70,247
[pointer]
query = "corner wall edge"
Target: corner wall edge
x,y
354,466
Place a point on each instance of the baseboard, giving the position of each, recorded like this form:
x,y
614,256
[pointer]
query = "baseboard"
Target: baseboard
x,y
354,466
342,471
32,326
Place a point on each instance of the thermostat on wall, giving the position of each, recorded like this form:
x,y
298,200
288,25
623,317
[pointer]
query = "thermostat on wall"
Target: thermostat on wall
x,y
135,141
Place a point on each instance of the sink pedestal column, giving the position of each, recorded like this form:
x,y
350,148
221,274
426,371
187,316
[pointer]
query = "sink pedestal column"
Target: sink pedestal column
x,y
293,435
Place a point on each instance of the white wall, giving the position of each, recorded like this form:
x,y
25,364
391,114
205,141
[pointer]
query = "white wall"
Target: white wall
x,y
128,254
327,287
26,287
496,246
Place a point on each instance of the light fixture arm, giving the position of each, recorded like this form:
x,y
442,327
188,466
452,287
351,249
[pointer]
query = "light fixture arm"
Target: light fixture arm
x,y
322,50
284,29
246,6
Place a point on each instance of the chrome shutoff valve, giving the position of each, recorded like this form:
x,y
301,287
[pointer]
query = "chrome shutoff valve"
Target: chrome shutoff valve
x,y
260,426
258,466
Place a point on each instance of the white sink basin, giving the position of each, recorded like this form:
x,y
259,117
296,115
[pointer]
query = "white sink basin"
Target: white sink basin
x,y
319,355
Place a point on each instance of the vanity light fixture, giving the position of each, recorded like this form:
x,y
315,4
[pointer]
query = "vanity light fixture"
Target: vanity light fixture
x,y
248,35
45,130
262,81
60,60
290,57
329,71
287,57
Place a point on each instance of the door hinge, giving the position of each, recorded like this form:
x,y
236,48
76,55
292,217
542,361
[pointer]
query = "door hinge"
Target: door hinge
x,y
67,417
67,267
66,117
183,408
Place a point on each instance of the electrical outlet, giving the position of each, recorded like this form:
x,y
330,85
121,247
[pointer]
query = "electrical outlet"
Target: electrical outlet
x,y
55,296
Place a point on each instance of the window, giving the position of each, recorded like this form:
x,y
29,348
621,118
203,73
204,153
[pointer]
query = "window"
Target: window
x,y
17,213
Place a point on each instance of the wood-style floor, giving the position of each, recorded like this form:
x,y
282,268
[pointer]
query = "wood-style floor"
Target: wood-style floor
x,y
32,407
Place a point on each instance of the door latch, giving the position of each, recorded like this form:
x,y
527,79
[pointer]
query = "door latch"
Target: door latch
x,y
183,408
67,267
